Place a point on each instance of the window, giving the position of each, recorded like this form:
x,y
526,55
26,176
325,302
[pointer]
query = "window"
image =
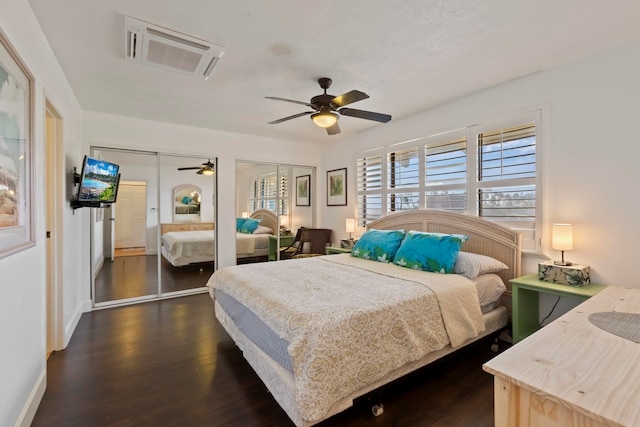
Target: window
x,y
268,192
487,170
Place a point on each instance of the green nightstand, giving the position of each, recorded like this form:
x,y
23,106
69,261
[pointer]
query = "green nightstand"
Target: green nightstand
x,y
525,309
273,245
332,250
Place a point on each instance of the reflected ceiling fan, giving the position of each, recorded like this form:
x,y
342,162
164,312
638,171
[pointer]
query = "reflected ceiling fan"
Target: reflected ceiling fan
x,y
205,169
328,108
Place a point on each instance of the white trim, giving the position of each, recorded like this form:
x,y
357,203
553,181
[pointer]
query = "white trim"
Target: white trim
x,y
73,323
33,401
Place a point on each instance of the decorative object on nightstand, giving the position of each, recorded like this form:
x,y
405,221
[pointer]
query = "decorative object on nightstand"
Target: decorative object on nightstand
x,y
284,225
563,272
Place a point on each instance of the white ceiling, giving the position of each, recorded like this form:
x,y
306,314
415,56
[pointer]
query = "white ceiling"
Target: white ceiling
x,y
406,55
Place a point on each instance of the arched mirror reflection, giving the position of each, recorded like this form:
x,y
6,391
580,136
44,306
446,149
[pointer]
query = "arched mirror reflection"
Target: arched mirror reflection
x,y
186,203
270,190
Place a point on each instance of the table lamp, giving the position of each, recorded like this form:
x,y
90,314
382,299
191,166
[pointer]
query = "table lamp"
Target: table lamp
x,y
562,240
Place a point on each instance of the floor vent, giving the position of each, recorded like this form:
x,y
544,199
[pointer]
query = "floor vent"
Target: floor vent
x,y
159,47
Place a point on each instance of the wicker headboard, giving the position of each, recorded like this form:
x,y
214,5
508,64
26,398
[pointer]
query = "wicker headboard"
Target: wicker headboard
x,y
267,218
485,237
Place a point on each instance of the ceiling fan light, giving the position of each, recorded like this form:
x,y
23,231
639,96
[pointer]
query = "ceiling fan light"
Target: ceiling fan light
x,y
207,171
324,119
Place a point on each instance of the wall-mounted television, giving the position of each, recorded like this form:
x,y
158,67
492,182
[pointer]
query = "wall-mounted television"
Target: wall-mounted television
x,y
98,183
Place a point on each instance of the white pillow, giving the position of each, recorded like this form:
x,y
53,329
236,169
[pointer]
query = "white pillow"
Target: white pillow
x,y
472,265
490,288
261,229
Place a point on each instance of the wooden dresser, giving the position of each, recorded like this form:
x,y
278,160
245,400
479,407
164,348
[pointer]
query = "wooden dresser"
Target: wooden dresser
x,y
571,372
185,226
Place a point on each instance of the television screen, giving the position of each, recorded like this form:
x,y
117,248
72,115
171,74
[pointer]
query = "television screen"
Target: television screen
x,y
98,181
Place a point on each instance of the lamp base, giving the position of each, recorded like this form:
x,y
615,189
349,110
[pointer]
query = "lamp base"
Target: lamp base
x,y
564,263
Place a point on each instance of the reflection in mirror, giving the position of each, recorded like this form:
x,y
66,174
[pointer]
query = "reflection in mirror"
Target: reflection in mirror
x,y
124,243
271,187
187,230
127,253
186,203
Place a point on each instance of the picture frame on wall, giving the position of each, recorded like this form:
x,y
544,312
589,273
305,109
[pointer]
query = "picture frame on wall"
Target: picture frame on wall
x,y
16,152
303,190
337,187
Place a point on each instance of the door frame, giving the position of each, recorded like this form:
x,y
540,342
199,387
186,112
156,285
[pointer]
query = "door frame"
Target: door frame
x,y
54,209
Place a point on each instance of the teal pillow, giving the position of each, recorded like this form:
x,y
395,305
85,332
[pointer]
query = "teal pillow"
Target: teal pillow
x,y
378,245
249,225
239,222
434,252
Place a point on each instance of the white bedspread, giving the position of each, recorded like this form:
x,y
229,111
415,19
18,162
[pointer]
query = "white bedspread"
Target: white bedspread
x,y
350,321
245,243
181,244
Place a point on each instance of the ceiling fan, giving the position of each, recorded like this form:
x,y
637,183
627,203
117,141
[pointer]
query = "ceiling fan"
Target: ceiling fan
x,y
205,169
328,108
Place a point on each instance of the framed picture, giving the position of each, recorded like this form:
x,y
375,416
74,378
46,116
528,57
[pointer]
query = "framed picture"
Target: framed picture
x,y
337,187
303,190
16,152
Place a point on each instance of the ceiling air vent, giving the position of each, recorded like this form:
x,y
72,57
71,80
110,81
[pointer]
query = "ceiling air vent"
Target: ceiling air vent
x,y
159,47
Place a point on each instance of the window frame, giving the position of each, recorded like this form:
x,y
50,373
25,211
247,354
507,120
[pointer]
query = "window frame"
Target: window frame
x,y
532,242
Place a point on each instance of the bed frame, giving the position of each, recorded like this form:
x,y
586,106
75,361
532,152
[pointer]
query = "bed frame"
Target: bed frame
x,y
486,238
267,218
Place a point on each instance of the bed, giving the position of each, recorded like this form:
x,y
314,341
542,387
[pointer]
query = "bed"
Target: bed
x,y
322,331
193,246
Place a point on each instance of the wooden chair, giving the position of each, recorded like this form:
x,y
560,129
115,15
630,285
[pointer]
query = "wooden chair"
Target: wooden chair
x,y
288,252
315,240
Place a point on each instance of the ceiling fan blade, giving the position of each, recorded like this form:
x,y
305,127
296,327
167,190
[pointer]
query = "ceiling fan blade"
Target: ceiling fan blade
x,y
348,98
333,130
369,115
288,100
189,168
295,116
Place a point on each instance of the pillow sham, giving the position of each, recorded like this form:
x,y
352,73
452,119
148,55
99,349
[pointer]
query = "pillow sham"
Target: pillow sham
x,y
239,222
378,245
490,288
471,265
261,229
435,252
249,225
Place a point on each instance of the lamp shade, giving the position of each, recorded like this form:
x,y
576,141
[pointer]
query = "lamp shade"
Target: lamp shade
x,y
284,220
324,119
562,237
350,226
245,214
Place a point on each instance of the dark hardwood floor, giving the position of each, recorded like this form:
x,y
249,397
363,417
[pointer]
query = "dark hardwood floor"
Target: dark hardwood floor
x,y
135,276
170,363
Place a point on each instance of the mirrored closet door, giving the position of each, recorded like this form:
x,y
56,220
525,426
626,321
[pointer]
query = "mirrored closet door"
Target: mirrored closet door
x,y
139,244
269,194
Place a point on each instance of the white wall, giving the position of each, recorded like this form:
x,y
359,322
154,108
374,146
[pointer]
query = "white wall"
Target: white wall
x,y
589,146
22,276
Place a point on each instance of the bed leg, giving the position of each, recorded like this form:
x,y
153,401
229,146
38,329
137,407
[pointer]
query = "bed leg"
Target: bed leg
x,y
377,409
495,346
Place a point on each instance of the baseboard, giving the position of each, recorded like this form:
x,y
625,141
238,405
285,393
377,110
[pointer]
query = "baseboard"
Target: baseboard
x,y
71,326
35,397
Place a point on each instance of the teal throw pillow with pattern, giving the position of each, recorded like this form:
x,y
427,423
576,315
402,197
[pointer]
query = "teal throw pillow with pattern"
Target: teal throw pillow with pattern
x,y
249,225
434,252
378,245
